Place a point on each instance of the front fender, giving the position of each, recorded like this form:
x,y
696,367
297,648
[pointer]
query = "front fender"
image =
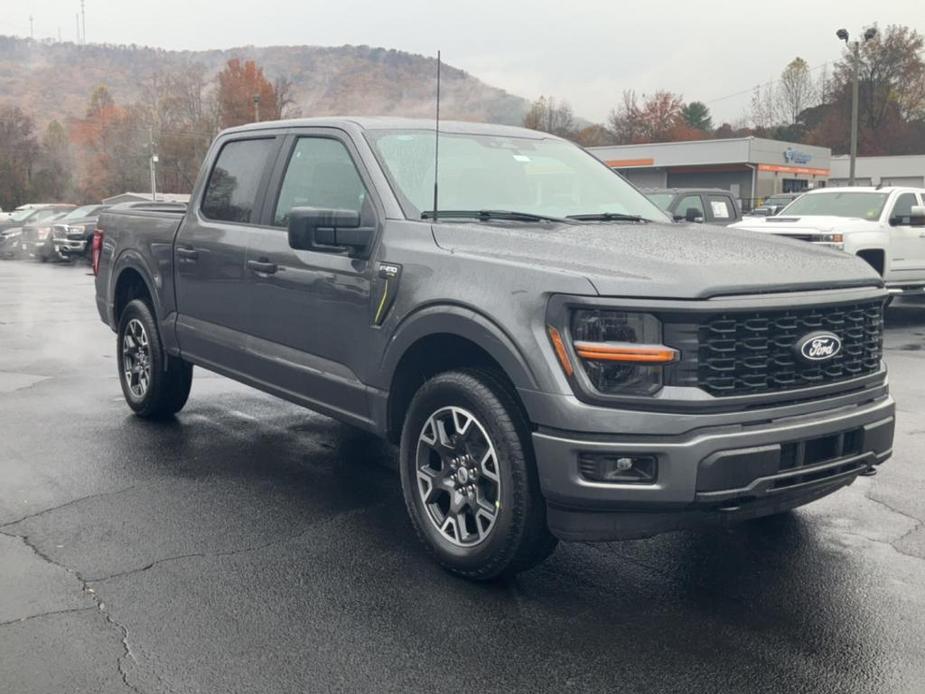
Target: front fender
x,y
461,321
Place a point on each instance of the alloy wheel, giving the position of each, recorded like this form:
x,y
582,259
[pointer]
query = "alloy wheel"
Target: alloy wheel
x,y
136,358
458,477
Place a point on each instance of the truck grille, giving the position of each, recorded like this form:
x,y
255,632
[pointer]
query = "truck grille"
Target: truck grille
x,y
748,353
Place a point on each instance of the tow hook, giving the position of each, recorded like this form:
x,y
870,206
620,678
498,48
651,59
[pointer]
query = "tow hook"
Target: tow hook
x,y
870,471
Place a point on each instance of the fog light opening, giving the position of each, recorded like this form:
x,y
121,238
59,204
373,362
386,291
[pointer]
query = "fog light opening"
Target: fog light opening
x,y
618,468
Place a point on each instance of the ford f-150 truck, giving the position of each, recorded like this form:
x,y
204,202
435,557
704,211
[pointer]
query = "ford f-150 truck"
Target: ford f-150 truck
x,y
884,226
555,358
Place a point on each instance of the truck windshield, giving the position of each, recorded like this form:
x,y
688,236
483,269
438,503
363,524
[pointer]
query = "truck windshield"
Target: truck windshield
x,y
80,212
663,200
838,204
545,177
21,215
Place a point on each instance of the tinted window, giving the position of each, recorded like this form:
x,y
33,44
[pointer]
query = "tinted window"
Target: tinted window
x,y
902,210
231,194
721,207
663,200
320,174
688,202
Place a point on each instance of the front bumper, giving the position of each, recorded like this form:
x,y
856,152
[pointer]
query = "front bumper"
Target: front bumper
x,y
70,246
754,464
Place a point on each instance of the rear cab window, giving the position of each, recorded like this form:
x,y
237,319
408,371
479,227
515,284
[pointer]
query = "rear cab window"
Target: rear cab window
x,y
234,183
721,208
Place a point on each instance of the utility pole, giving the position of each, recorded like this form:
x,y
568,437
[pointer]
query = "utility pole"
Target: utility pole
x,y
153,165
83,22
256,108
842,34
77,19
31,27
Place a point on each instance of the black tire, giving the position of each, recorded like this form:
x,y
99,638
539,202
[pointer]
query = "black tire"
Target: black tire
x,y
517,537
168,380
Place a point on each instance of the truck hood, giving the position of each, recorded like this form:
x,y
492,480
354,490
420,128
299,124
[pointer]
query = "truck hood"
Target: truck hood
x,y
661,260
793,224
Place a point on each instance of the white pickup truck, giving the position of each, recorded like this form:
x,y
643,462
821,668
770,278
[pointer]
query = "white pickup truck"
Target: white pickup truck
x,y
884,226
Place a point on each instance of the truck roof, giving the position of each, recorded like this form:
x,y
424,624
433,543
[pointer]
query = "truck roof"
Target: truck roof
x,y
391,123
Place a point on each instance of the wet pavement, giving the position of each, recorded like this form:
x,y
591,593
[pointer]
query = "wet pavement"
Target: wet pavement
x,y
252,546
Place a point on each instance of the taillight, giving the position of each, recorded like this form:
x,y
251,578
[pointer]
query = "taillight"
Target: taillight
x,y
96,250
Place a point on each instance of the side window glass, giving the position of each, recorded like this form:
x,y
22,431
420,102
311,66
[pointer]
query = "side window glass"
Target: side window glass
x,y
688,202
321,174
902,210
231,193
720,207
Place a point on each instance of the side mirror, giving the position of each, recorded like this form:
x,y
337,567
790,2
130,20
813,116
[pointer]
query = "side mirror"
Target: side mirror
x,y
327,231
692,214
917,216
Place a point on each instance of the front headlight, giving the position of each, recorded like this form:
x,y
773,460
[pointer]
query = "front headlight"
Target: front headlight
x,y
619,351
831,238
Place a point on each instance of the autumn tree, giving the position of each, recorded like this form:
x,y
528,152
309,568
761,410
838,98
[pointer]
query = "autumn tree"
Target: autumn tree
x,y
54,177
796,91
239,85
182,122
594,136
114,146
658,118
19,150
696,115
550,116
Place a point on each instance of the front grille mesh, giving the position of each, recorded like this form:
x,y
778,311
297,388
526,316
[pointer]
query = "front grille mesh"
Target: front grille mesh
x,y
749,353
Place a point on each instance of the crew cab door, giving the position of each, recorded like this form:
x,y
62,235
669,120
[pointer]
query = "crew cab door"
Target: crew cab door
x,y
309,311
210,249
907,242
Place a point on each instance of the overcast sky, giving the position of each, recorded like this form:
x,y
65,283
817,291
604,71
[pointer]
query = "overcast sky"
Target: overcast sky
x,y
585,51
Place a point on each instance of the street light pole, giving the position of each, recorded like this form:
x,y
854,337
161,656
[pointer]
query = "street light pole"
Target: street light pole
x,y
854,111
855,96
256,108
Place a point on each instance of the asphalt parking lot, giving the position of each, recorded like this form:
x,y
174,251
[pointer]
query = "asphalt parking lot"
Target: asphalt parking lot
x,y
252,546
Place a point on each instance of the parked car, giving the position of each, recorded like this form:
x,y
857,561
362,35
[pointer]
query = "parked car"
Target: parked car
x,y
773,204
710,205
556,362
71,234
884,226
36,241
11,230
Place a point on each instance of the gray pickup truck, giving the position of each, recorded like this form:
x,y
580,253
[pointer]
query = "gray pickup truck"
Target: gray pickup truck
x,y
555,357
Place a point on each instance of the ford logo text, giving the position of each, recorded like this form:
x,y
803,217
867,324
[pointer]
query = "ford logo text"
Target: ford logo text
x,y
819,346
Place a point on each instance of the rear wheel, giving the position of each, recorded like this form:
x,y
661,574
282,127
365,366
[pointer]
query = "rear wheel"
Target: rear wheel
x,y
155,385
469,479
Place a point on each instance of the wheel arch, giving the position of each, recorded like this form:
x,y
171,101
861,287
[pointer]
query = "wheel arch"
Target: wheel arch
x,y
439,338
132,281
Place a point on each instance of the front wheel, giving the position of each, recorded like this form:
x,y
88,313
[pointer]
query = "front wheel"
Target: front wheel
x,y
469,478
155,385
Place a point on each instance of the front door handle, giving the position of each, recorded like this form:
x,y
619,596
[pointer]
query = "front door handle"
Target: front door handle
x,y
263,266
188,254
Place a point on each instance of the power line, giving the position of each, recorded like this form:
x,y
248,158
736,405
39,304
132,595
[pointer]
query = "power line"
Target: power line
x,y
763,84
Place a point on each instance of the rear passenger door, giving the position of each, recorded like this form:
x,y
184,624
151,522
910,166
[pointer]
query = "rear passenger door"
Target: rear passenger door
x,y
210,249
309,311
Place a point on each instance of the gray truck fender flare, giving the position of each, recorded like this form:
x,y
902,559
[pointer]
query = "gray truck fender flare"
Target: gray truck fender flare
x,y
463,322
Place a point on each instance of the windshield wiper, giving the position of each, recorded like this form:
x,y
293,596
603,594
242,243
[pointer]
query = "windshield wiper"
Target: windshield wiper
x,y
485,215
608,217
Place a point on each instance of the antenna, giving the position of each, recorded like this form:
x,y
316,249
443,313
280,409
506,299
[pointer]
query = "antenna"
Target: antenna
x,y
437,138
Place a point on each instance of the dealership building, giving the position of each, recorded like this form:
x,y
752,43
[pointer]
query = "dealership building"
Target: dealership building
x,y
749,167
907,170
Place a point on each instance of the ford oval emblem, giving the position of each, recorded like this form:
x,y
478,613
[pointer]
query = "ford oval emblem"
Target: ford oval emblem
x,y
819,346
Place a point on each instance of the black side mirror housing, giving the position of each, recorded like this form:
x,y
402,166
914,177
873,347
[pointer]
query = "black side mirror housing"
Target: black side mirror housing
x,y
328,231
692,214
917,216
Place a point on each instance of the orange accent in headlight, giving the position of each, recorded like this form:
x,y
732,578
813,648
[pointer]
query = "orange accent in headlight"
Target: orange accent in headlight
x,y
559,346
626,352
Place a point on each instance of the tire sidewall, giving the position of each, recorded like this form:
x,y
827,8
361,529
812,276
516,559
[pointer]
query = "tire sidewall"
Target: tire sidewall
x,y
138,310
451,390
